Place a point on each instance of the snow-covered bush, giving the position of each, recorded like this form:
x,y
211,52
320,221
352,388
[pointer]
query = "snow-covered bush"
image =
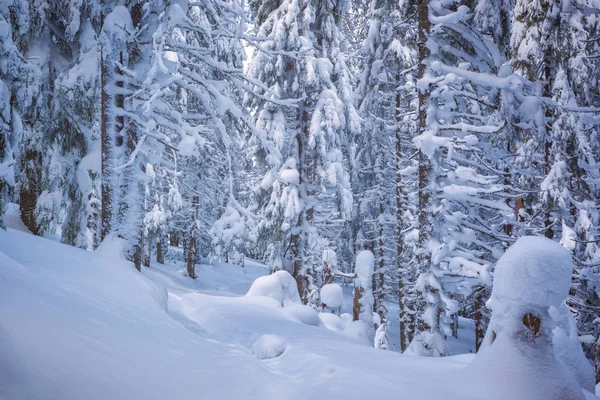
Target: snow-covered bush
x,y
280,286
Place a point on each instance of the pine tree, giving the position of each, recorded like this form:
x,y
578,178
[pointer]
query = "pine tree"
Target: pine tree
x,y
461,208
304,116
386,97
16,102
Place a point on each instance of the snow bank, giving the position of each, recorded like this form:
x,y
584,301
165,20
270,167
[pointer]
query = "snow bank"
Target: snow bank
x,y
269,346
332,295
280,286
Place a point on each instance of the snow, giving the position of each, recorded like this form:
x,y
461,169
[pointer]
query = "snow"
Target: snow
x,y
332,295
269,346
534,272
303,314
529,358
280,286
76,324
365,262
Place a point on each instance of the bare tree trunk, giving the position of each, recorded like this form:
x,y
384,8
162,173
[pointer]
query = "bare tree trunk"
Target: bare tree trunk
x,y
191,252
358,292
162,247
424,167
549,233
29,192
478,316
174,238
106,142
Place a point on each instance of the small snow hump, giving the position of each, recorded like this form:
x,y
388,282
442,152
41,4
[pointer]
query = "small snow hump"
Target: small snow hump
x,y
280,286
269,346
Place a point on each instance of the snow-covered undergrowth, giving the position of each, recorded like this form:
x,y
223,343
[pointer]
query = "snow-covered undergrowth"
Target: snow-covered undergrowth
x,y
82,325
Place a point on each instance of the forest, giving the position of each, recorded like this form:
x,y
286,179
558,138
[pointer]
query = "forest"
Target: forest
x,y
384,155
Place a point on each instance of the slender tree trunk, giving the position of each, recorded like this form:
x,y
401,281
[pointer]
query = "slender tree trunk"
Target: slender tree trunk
x,y
424,167
105,140
162,247
478,316
29,191
191,253
400,269
549,233
174,238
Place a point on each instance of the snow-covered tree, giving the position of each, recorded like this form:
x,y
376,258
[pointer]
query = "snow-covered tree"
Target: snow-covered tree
x,y
305,117
16,74
386,96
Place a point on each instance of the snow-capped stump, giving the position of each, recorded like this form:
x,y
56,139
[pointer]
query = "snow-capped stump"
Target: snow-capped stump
x,y
280,286
518,360
269,346
363,289
534,272
332,296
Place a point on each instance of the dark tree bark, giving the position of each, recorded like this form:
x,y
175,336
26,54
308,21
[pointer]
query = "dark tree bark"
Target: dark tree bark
x,y
424,167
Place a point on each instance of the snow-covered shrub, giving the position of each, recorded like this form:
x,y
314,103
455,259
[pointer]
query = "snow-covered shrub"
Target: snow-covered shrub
x,y
280,286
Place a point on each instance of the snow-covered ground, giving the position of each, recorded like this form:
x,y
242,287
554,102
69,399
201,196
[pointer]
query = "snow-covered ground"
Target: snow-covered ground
x,y
86,325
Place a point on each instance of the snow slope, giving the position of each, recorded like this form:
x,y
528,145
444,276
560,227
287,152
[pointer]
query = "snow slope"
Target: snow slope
x,y
82,325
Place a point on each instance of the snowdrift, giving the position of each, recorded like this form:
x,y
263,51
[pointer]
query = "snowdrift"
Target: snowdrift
x,y
82,325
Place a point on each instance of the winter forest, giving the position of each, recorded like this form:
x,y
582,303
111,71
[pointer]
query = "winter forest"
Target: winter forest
x,y
398,193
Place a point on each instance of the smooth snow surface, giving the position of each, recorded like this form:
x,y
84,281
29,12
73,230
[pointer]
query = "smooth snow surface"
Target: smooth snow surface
x,y
86,325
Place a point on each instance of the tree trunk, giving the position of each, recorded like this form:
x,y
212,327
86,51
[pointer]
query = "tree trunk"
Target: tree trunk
x,y
29,191
424,167
106,143
478,316
174,238
191,252
356,303
162,247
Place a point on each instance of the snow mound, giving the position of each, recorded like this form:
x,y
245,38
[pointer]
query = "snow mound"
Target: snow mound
x,y
534,272
280,286
332,295
565,341
303,313
269,346
333,322
528,352
358,331
511,369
